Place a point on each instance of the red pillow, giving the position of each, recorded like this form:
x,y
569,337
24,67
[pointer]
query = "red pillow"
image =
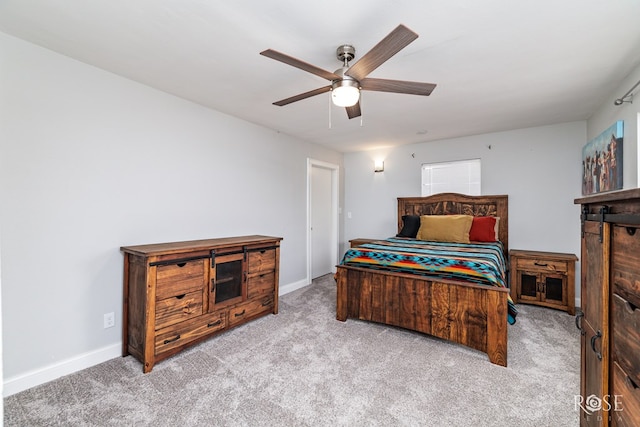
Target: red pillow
x,y
483,229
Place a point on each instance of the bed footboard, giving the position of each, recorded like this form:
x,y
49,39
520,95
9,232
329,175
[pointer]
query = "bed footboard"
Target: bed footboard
x,y
468,314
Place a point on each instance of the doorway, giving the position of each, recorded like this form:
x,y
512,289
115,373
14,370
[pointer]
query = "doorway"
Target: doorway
x,y
322,218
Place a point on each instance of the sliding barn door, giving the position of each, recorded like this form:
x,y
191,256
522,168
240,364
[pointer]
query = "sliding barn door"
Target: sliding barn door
x,y
594,358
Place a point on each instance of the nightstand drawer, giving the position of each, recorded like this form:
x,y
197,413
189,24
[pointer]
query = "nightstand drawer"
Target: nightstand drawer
x,y
542,265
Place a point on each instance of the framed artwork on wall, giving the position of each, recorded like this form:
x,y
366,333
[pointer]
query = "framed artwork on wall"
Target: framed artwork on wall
x,y
602,161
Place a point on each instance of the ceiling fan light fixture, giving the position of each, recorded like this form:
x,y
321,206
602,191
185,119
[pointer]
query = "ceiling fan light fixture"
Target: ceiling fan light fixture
x,y
345,92
346,81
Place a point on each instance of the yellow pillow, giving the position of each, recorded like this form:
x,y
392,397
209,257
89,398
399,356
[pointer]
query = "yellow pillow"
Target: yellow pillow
x,y
445,228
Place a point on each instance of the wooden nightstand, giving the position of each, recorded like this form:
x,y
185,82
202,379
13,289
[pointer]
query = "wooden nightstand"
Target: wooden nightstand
x,y
360,241
543,278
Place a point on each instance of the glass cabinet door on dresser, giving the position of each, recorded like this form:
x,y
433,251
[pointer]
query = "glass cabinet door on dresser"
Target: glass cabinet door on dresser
x,y
227,279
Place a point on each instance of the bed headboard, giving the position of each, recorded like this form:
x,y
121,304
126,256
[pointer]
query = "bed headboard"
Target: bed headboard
x,y
454,203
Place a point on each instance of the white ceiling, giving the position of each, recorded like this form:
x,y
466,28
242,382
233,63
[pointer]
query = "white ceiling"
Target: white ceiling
x,y
498,64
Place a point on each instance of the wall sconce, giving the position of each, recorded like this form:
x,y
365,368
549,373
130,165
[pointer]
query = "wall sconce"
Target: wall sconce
x,y
378,166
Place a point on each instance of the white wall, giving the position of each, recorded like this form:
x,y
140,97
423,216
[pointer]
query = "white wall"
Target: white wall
x,y
90,162
539,168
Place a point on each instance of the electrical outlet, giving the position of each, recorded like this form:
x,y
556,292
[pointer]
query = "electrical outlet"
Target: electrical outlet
x,y
109,320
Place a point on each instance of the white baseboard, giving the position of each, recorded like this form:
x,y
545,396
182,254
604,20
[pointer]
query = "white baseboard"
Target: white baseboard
x,y
82,361
49,373
293,286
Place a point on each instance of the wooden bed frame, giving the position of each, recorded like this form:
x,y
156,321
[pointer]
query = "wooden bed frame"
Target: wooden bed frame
x,y
466,313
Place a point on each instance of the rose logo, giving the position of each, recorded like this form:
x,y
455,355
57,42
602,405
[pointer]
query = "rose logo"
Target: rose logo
x,y
593,404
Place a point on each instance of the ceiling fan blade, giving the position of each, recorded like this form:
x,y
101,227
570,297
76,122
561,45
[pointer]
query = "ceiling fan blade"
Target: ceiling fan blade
x,y
354,111
389,46
302,96
289,60
397,86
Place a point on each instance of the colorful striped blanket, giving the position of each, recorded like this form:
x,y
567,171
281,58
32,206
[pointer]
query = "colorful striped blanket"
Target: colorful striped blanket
x,y
481,263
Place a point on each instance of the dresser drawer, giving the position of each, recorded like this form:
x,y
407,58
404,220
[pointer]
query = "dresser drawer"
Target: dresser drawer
x,y
625,399
179,278
185,332
264,283
625,269
262,260
626,336
176,309
249,309
545,265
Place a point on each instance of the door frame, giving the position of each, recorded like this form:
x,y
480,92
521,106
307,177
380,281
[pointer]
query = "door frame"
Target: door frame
x,y
335,170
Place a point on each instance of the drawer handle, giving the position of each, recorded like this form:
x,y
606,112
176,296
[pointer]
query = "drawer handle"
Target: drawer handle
x,y
593,344
240,314
579,317
540,264
172,340
181,264
212,324
180,296
631,231
631,383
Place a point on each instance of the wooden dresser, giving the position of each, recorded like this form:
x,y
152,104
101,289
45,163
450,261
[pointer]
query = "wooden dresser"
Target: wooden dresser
x,y
178,294
609,318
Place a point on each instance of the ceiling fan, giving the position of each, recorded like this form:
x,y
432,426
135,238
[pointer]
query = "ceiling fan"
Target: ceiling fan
x,y
348,81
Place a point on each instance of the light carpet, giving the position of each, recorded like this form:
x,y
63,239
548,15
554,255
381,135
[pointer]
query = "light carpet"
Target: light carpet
x,y
302,367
